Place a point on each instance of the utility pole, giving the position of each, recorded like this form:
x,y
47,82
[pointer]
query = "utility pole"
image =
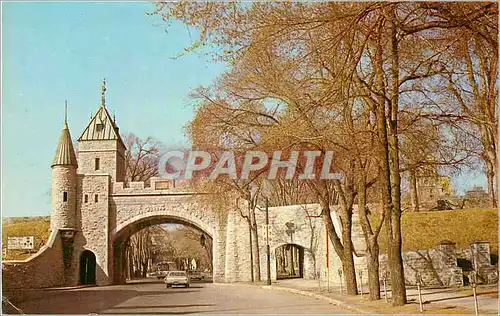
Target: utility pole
x,y
267,244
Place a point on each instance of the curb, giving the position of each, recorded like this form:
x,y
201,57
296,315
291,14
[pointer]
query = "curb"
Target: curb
x,y
305,293
318,296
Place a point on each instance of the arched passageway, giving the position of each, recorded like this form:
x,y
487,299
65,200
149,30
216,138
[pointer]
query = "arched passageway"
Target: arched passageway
x,y
124,265
87,267
289,261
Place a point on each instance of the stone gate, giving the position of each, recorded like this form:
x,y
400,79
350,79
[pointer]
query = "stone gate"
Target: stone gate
x,y
94,212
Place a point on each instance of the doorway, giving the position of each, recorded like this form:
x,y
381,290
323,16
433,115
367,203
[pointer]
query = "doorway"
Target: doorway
x,y
87,267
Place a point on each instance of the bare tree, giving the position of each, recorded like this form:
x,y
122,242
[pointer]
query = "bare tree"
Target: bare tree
x,y
141,158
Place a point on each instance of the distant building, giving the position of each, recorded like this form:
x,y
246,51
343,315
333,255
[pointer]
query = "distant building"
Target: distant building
x,y
477,192
431,188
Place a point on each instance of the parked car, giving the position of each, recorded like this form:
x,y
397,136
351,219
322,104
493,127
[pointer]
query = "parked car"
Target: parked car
x,y
176,278
195,275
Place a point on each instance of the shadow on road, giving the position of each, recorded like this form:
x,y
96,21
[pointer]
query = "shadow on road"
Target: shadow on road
x,y
82,302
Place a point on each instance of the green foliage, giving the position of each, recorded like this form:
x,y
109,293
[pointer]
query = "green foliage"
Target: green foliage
x,y
424,230
27,226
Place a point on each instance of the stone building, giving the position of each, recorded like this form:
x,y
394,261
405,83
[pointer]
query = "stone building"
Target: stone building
x,y
477,192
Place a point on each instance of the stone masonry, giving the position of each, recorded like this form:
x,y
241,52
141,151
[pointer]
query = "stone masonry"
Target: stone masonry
x,y
94,210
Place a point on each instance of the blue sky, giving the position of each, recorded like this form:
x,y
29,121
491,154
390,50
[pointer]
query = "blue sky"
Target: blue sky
x,y
60,51
54,52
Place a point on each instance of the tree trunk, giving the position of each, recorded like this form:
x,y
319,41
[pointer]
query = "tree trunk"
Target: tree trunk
x,y
373,274
250,243
490,172
413,190
393,223
372,253
343,251
255,247
349,269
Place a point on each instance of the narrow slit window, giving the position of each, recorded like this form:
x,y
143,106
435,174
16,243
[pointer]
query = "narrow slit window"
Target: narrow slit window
x,y
97,163
86,198
96,198
65,196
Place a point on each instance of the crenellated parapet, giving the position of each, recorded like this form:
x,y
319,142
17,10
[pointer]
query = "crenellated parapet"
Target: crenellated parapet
x,y
153,186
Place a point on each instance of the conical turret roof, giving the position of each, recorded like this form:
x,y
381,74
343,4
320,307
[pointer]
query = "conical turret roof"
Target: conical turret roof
x,y
65,154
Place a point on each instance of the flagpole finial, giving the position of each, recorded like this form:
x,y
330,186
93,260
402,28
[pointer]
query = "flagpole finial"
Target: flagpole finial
x,y
103,93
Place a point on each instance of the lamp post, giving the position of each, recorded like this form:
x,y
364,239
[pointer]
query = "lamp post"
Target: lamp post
x,y
267,244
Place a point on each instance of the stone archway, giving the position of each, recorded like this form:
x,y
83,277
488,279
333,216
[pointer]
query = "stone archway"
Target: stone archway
x,y
289,261
87,268
120,262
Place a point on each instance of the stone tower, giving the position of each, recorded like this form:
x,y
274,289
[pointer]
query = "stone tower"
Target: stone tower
x,y
64,183
100,147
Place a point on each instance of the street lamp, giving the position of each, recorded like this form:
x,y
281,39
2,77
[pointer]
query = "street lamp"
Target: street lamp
x,y
267,243
264,193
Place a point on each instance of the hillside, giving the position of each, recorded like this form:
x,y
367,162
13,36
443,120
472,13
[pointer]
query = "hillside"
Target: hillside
x,y
25,226
423,230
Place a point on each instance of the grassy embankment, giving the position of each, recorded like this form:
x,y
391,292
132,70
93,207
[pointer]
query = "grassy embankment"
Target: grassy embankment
x,y
424,230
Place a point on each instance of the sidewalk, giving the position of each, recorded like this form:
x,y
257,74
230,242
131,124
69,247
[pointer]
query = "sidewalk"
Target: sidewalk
x,y
436,301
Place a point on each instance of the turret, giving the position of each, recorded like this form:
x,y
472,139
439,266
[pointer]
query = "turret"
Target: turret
x,y
64,182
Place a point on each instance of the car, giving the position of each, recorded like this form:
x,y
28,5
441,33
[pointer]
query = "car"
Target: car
x,y
176,278
195,275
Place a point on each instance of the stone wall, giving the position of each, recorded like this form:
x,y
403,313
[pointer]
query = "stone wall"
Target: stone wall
x,y
309,234
43,269
438,266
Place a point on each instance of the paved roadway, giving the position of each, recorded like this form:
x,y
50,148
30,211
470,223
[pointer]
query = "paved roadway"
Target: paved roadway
x,y
151,297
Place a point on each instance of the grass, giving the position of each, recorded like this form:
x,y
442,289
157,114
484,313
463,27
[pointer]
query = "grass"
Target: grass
x,y
424,230
37,226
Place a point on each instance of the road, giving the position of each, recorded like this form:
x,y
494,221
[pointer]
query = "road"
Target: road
x,y
151,297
